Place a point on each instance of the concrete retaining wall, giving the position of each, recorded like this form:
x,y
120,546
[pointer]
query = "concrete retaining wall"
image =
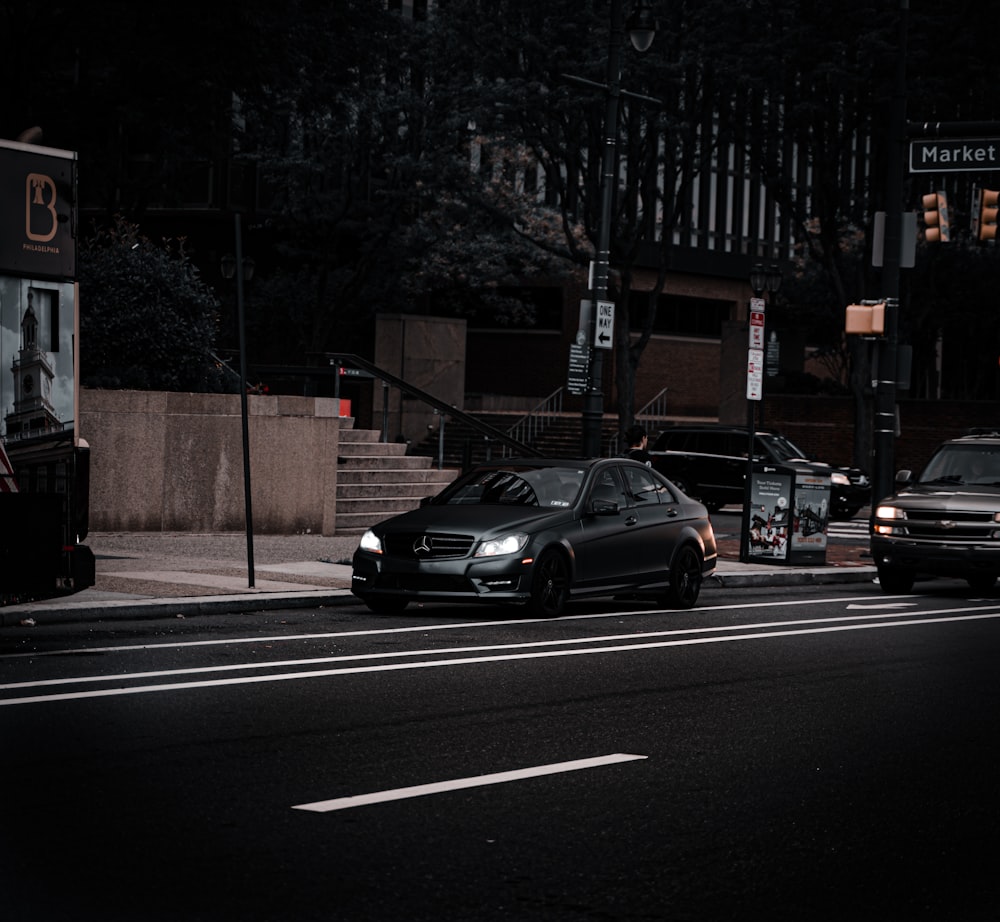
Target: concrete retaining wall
x,y
174,462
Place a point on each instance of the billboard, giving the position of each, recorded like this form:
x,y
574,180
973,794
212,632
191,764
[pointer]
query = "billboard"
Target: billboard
x,y
37,211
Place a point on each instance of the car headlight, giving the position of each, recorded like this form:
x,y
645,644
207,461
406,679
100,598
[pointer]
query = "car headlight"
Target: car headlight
x,y
498,547
890,512
842,480
371,542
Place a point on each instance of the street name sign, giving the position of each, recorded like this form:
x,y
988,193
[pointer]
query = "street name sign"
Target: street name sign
x,y
943,155
578,379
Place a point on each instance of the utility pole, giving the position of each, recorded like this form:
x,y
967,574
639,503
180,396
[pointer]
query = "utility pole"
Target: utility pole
x,y
885,402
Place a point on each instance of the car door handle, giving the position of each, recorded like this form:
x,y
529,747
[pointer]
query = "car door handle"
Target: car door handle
x,y
672,512
631,520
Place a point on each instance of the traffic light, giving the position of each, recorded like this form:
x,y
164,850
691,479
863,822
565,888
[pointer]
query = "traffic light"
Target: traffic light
x,y
866,318
936,226
986,212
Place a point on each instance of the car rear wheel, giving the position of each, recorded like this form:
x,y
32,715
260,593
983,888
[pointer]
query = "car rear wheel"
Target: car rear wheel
x,y
386,606
549,585
981,582
685,579
895,580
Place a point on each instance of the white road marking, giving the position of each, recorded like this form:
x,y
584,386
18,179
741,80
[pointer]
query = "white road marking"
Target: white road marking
x,y
477,660
886,605
447,626
481,648
458,784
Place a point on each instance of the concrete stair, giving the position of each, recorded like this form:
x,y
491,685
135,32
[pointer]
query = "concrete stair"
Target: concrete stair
x,y
376,480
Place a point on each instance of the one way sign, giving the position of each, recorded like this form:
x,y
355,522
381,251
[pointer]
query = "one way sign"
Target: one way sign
x,y
604,329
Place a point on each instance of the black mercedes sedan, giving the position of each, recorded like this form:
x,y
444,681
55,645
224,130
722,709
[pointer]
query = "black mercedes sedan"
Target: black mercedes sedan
x,y
540,532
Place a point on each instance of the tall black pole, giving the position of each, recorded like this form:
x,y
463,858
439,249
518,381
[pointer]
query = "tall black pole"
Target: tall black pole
x,y
885,404
244,410
593,408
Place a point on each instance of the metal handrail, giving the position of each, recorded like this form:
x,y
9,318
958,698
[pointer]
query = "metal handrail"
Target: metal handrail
x,y
653,409
530,426
336,360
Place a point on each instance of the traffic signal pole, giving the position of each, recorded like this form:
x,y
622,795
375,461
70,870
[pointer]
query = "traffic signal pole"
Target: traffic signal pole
x,y
885,400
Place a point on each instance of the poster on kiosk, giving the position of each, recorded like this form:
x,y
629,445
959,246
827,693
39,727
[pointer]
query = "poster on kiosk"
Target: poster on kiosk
x,y
789,514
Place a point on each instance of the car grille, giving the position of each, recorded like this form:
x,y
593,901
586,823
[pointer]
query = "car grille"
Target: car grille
x,y
429,546
963,526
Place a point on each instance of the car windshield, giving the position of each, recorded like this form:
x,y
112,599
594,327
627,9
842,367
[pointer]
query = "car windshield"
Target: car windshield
x,y
781,448
964,464
521,486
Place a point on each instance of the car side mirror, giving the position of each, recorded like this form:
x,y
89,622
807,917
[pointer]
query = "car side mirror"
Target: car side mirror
x,y
604,507
904,477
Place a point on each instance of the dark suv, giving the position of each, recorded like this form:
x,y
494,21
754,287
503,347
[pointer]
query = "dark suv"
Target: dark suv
x,y
709,462
946,522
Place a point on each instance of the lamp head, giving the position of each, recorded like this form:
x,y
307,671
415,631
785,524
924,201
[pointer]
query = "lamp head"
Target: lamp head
x,y
641,26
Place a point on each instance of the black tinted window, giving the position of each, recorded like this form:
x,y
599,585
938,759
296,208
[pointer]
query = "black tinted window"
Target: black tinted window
x,y
644,487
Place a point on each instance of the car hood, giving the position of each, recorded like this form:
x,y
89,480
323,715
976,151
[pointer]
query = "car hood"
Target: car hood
x,y
474,519
947,497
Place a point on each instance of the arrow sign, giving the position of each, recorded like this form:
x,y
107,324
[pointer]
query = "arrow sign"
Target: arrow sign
x,y
604,328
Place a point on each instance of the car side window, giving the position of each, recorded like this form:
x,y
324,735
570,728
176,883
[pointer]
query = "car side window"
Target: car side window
x,y
607,486
736,445
644,487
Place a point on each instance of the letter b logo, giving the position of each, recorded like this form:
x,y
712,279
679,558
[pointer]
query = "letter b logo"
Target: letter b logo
x,y
40,219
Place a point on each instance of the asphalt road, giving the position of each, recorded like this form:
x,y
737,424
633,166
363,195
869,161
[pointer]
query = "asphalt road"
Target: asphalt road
x,y
819,754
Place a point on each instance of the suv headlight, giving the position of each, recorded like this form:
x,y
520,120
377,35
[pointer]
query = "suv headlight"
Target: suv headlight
x,y
893,513
499,547
841,480
371,542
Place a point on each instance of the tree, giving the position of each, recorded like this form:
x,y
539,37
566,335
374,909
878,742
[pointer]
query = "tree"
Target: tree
x,y
147,321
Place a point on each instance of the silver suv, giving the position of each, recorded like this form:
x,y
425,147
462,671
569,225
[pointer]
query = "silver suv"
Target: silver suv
x,y
946,522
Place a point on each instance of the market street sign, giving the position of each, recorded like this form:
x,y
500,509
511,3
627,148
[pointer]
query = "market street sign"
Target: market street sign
x,y
943,155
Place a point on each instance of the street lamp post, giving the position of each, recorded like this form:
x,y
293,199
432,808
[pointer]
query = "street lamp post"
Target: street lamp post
x,y
243,269
761,280
641,27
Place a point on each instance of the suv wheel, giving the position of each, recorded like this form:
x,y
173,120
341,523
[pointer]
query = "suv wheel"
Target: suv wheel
x,y
683,486
895,580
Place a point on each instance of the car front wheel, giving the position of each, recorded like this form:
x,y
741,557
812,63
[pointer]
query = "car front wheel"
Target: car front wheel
x,y
685,579
895,580
549,585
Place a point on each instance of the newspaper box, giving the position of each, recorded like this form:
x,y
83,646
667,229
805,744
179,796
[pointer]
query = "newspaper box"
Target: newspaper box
x,y
789,512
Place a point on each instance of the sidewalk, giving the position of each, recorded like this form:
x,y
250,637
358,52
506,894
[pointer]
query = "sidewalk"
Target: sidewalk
x,y
163,575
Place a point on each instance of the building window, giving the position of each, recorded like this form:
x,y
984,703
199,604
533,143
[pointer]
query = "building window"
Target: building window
x,y
677,315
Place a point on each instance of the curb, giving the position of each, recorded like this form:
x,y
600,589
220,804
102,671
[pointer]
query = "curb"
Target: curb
x,y
56,611
812,576
53,612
